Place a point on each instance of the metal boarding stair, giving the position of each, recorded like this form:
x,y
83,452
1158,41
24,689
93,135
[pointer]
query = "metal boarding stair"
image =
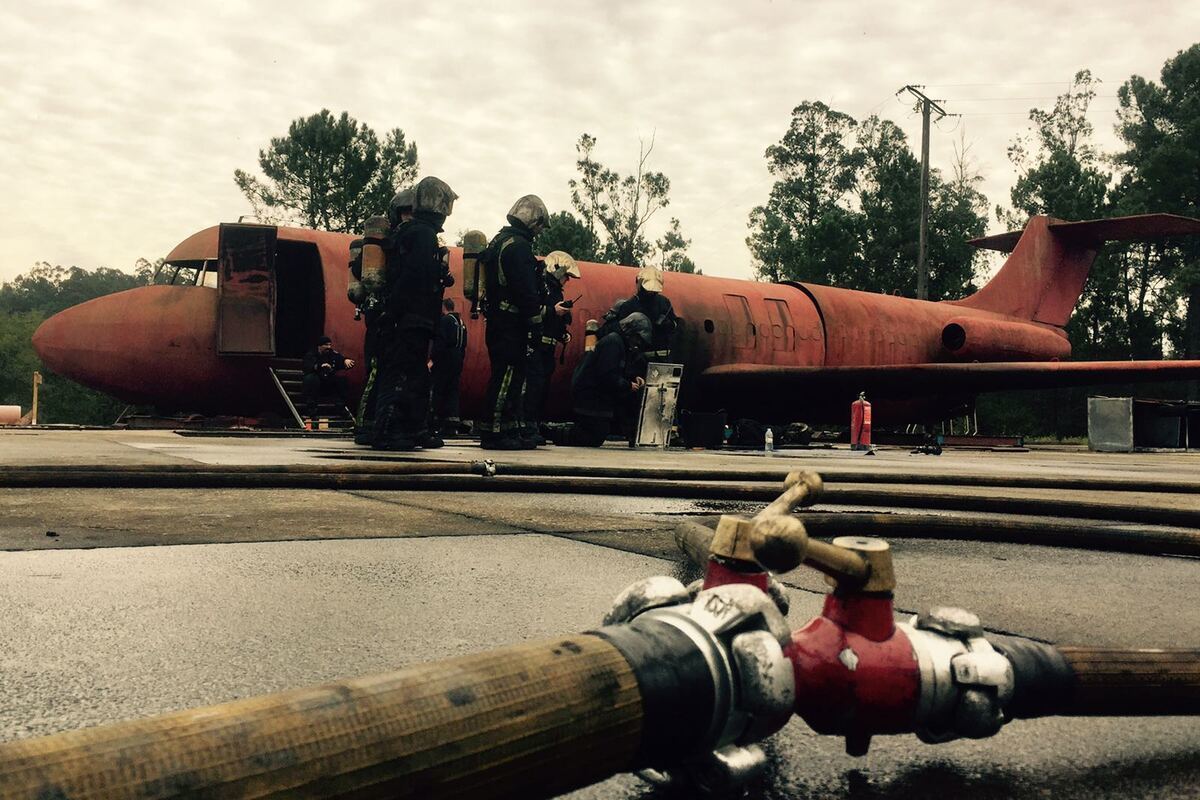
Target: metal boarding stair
x,y
288,376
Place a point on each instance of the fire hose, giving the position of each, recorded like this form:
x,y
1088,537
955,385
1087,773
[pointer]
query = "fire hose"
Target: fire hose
x,y
1107,517
680,683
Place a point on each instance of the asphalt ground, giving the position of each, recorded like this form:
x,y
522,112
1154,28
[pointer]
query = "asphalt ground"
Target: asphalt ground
x,y
251,591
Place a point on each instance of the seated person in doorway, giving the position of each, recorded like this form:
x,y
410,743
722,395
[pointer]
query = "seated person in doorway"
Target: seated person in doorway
x,y
601,383
321,368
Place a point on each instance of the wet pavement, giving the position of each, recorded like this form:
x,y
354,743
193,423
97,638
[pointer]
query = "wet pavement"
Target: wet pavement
x,y
252,591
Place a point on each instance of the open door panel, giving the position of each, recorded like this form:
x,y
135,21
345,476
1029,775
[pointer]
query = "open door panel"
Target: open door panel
x,y
246,305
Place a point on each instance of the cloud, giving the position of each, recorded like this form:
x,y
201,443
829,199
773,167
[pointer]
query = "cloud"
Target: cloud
x,y
122,122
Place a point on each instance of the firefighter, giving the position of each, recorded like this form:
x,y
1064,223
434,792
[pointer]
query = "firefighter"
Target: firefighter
x,y
601,383
514,322
369,306
648,300
449,348
416,277
558,267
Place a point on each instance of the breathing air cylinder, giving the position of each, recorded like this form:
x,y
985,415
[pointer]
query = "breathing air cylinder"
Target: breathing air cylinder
x,y
354,288
374,260
474,282
860,423
589,335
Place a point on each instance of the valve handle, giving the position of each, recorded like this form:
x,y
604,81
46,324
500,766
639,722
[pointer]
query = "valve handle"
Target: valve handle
x,y
776,541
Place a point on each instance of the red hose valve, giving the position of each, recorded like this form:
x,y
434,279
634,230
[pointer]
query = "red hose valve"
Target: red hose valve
x,y
856,671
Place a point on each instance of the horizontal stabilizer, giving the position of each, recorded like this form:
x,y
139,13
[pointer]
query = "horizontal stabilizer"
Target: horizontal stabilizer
x,y
1095,231
903,381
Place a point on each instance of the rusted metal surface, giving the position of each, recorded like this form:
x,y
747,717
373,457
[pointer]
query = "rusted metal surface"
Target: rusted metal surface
x,y
973,339
200,246
771,351
246,291
1040,281
153,345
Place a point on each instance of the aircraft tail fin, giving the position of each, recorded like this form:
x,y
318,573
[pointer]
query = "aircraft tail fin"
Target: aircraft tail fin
x,y
1049,261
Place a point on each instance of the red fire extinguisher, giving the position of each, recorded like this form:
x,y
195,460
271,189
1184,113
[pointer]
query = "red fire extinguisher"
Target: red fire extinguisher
x,y
860,423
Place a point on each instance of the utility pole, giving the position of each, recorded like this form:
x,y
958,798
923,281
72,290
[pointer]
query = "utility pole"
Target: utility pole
x,y
926,106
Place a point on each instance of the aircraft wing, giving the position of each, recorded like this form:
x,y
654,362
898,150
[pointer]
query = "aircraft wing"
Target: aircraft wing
x,y
903,381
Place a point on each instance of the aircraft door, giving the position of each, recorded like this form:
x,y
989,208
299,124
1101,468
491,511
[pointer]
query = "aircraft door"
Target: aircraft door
x,y
783,334
246,292
743,332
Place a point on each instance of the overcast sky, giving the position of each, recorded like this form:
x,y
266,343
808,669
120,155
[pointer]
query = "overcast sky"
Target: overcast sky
x,y
121,123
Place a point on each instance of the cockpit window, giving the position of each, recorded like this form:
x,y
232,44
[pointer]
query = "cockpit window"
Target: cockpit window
x,y
187,273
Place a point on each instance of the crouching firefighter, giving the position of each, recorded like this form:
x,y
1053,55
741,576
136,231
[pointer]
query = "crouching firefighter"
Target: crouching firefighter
x,y
601,383
649,300
514,322
366,294
558,268
416,277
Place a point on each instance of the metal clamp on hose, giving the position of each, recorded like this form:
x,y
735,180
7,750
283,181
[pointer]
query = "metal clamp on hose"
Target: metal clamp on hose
x,y
965,684
735,634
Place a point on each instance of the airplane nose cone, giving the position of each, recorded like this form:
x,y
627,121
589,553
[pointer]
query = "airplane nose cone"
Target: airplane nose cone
x,y
83,341
52,342
146,345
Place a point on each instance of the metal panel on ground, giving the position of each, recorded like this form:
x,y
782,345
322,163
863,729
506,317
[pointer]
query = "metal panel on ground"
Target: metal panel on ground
x,y
659,404
246,309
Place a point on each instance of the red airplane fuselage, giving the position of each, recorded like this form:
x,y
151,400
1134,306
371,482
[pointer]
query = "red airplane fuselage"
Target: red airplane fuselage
x,y
160,344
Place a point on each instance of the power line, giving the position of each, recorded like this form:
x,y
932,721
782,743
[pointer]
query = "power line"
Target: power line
x,y
1089,112
1003,99
1005,83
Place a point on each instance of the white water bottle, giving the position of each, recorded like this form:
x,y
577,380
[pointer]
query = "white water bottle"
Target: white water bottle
x,y
769,441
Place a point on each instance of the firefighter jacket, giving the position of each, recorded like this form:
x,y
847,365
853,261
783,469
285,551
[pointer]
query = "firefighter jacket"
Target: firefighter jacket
x,y
657,308
554,327
415,272
512,277
599,383
449,338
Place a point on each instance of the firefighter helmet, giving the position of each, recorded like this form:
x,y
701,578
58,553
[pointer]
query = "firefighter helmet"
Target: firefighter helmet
x,y
402,203
531,212
650,279
637,326
560,266
434,194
